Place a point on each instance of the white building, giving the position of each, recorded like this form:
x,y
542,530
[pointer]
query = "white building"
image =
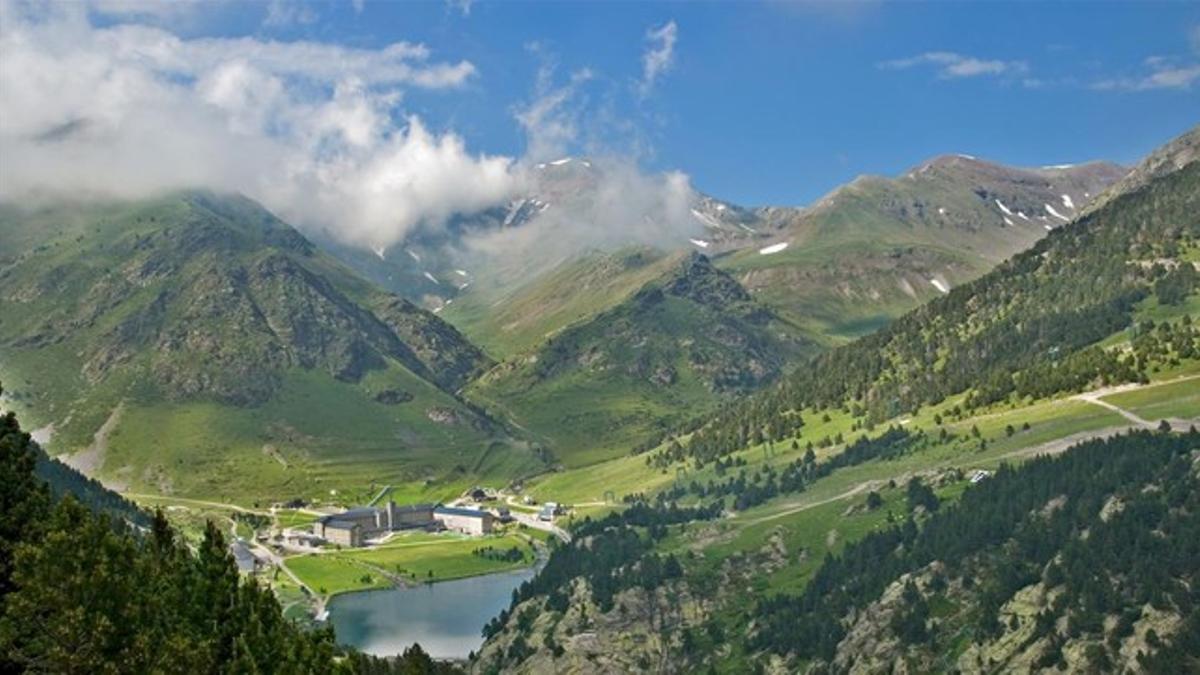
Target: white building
x,y
467,521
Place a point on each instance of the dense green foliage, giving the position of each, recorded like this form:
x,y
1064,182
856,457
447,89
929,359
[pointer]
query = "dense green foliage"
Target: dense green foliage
x,y
63,480
749,490
1018,528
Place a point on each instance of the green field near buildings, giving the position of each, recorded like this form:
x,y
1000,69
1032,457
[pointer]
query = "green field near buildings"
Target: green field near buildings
x,y
332,574
417,558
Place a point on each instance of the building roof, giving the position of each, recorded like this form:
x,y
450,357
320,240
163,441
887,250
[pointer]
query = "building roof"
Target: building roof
x,y
415,507
365,511
340,525
242,556
455,511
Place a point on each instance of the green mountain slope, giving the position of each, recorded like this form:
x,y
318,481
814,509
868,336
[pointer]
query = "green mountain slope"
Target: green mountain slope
x,y
878,247
673,349
506,320
196,344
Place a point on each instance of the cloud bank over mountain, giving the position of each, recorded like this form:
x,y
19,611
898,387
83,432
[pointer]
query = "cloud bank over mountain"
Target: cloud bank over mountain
x,y
317,131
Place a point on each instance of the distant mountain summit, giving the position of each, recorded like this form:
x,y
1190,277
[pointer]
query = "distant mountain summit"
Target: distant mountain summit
x,y
876,247
1174,155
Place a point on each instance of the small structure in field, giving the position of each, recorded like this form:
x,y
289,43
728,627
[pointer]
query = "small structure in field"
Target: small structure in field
x,y
342,532
247,562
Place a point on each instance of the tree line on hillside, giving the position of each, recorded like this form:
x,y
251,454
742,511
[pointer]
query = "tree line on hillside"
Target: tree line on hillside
x,y
1026,329
748,490
1135,496
82,592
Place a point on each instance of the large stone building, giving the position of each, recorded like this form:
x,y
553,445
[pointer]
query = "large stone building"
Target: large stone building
x,y
467,521
353,527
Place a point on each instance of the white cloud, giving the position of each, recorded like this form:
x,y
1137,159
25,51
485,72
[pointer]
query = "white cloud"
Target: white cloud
x,y
375,195
463,7
283,13
310,129
951,65
314,131
551,119
659,57
1161,73
154,10
607,205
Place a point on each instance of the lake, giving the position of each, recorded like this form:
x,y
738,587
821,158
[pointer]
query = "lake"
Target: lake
x,y
446,617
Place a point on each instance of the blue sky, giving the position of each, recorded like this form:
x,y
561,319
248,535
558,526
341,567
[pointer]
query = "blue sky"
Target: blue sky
x,y
779,102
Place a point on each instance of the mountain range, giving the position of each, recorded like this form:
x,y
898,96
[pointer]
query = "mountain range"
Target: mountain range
x,y
791,432
316,357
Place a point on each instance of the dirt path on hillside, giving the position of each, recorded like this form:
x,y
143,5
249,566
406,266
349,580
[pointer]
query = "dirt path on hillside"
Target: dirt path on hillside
x,y
89,460
1096,397
857,489
197,502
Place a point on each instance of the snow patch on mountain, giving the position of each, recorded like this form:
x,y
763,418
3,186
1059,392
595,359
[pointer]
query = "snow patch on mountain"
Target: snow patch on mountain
x,y
1003,208
773,248
431,278
1056,214
708,220
1067,202
699,242
941,286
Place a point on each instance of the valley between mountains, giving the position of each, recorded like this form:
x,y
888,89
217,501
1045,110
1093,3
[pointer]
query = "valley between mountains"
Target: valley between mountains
x,y
768,447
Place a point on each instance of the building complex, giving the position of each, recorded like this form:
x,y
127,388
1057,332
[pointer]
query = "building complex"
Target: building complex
x,y
353,527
